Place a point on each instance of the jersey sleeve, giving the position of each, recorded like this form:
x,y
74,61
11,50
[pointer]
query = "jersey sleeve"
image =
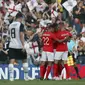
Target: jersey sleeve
x,y
70,35
21,28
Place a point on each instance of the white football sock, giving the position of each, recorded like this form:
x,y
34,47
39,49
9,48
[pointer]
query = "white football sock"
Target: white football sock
x,y
25,68
11,71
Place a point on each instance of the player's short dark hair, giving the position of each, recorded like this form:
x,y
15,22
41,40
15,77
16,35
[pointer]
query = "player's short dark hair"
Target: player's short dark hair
x,y
54,25
61,23
19,15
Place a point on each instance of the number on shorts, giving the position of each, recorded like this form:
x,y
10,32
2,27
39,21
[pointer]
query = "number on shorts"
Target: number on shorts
x,y
46,40
13,33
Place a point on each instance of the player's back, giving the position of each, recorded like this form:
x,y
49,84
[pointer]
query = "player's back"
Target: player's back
x,y
62,34
48,38
14,30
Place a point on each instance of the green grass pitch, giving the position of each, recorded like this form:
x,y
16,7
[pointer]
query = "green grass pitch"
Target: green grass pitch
x,y
43,82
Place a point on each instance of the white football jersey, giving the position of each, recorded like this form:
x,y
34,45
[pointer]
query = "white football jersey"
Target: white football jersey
x,y
14,30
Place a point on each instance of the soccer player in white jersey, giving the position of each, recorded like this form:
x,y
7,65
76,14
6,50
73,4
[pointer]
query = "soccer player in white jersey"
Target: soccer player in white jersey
x,y
16,46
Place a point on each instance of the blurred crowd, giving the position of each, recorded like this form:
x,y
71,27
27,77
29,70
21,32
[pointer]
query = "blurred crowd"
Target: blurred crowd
x,y
38,14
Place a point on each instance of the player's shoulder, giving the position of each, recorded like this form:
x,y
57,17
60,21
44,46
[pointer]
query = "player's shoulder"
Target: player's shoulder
x,y
69,33
15,23
66,31
58,32
48,33
21,24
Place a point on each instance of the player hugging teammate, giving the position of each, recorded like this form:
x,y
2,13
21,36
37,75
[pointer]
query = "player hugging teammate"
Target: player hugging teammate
x,y
50,58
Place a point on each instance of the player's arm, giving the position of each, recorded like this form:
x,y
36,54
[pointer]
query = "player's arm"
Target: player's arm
x,y
22,34
6,52
68,37
56,39
60,40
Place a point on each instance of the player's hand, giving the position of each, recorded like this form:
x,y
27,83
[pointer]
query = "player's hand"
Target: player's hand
x,y
60,41
67,39
23,49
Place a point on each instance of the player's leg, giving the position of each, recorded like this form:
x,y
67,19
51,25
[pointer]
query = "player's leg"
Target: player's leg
x,y
11,69
64,58
57,58
42,69
42,65
23,55
67,70
50,57
11,64
25,69
60,66
55,70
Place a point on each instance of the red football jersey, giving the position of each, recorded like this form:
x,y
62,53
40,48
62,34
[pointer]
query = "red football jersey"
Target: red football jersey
x,y
48,39
55,42
63,45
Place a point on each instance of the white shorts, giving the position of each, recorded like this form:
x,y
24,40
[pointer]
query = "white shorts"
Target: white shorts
x,y
54,51
47,56
61,55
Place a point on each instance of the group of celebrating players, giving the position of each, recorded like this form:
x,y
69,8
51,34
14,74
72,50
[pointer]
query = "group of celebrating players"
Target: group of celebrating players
x,y
55,51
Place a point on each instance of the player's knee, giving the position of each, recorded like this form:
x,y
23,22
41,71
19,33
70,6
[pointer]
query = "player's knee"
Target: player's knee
x,y
56,61
11,67
42,63
25,66
50,63
65,61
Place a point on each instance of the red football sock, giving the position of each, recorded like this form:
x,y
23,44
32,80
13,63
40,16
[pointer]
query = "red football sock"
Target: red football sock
x,y
67,71
48,71
60,68
55,70
42,71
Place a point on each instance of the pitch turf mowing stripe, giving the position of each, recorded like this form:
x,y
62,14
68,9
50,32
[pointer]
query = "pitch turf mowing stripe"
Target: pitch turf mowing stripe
x,y
45,82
